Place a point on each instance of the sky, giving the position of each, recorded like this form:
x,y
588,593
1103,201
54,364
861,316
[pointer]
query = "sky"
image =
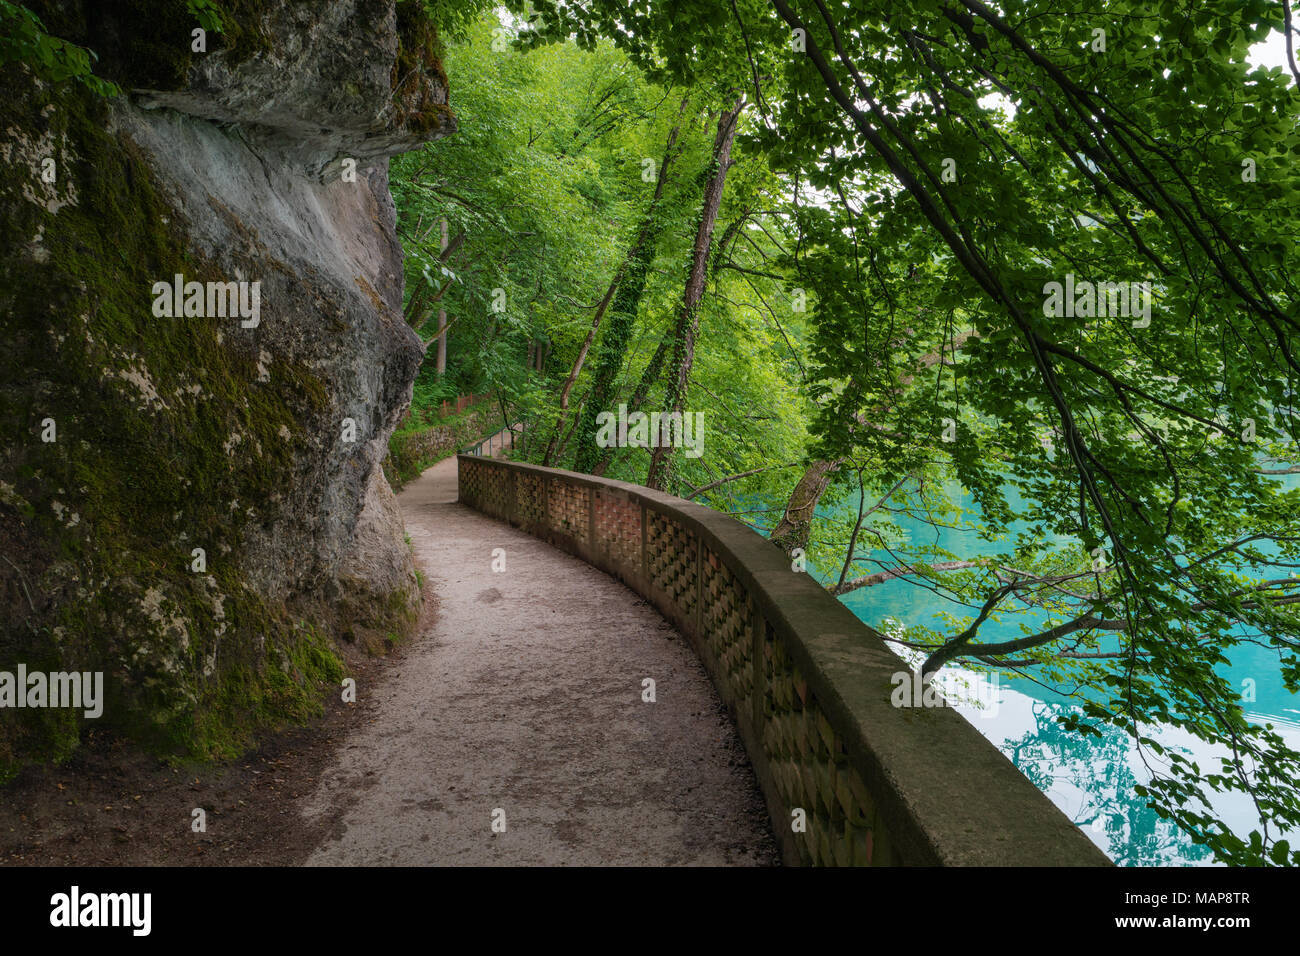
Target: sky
x,y
1270,52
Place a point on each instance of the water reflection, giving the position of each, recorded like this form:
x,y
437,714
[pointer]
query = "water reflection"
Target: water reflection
x,y
1092,780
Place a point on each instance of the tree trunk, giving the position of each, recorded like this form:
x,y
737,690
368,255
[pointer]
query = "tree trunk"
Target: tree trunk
x,y
688,318
567,390
416,307
654,368
622,316
793,529
442,313
648,378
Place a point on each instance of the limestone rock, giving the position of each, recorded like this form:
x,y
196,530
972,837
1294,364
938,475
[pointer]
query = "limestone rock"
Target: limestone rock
x,y
206,432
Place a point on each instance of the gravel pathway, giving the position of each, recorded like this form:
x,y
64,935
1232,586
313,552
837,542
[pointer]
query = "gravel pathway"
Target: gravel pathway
x,y
515,732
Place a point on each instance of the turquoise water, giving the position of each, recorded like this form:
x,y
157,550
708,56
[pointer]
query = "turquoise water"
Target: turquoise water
x,y
1091,781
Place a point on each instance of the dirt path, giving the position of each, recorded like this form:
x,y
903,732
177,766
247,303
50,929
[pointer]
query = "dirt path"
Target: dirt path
x,y
521,692
523,701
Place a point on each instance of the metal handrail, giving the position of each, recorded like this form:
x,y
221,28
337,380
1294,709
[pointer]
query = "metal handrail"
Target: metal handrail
x,y
490,441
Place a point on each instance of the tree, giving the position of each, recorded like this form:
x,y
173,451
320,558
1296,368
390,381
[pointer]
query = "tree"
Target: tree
x,y
625,292
1135,147
688,321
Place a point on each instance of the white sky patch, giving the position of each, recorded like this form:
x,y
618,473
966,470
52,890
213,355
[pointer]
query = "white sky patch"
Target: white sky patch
x,y
999,101
1271,52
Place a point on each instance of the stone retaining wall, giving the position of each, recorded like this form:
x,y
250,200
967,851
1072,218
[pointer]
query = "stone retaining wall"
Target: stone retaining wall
x,y
410,452
807,683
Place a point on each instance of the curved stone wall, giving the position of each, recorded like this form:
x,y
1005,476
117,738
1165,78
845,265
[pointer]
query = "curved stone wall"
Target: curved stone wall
x,y
807,683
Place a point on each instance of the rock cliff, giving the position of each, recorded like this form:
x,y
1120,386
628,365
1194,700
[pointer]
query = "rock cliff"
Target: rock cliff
x,y
192,502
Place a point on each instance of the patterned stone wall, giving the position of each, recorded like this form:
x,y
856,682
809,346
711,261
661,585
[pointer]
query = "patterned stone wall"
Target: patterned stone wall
x,y
703,571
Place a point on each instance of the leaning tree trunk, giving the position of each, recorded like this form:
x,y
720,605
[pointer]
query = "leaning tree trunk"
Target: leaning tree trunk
x,y
644,236
442,313
654,368
622,316
795,526
688,316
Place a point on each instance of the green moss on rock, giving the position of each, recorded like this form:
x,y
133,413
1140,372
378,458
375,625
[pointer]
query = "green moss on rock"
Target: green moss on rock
x,y
148,44
104,519
418,78
415,445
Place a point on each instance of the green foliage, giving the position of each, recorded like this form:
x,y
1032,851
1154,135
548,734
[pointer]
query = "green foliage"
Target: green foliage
x,y
1121,161
426,438
23,38
453,19
207,13
153,45
553,175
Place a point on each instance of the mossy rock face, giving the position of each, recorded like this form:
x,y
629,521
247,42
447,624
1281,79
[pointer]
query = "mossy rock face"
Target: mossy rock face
x,y
418,80
167,435
149,44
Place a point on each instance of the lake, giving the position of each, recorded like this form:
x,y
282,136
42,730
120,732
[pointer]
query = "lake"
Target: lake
x,y
1091,781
